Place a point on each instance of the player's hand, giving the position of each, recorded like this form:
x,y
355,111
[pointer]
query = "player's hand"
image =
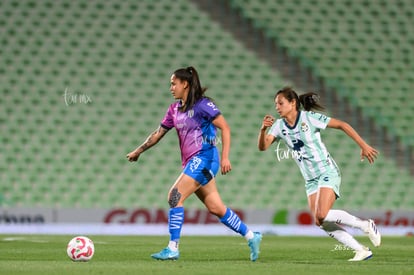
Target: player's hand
x,y
370,153
267,122
133,156
225,166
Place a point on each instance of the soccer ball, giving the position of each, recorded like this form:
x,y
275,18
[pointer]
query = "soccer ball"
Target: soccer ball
x,y
80,249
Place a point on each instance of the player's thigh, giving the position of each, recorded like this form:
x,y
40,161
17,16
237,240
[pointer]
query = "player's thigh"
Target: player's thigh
x,y
183,187
312,202
324,201
328,191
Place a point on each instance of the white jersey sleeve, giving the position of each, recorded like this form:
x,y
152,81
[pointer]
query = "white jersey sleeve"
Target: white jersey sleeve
x,y
318,120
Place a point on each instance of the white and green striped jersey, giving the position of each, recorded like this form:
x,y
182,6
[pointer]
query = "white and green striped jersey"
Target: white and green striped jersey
x,y
304,142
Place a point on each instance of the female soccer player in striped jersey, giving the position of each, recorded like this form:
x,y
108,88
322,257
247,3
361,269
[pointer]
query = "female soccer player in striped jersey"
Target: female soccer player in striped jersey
x,y
300,129
195,118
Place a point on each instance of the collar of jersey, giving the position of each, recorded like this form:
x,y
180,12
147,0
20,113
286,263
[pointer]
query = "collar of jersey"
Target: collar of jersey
x,y
296,122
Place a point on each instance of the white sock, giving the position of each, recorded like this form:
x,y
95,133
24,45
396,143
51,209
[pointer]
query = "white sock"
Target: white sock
x,y
343,217
173,245
339,234
249,235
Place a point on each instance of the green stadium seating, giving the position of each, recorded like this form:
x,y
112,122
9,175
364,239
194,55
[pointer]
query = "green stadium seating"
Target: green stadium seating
x,y
357,43
114,60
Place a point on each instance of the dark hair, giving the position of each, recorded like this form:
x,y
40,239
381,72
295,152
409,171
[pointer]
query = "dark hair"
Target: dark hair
x,y
309,101
196,92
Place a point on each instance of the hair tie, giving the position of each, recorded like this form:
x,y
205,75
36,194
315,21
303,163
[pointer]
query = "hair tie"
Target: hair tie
x,y
315,98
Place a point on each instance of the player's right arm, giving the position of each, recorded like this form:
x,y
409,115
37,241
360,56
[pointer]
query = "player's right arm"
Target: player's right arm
x,y
264,140
151,140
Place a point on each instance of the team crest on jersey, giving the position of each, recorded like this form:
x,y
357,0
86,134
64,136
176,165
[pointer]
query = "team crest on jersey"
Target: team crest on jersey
x,y
304,127
190,113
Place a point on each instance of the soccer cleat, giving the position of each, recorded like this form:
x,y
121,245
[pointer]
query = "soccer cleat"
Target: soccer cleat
x,y
361,255
373,233
254,245
166,254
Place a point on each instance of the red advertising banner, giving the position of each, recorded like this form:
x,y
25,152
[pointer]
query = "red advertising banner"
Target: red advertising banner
x,y
385,218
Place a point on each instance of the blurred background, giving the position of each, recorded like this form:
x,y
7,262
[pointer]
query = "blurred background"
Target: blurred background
x,y
85,82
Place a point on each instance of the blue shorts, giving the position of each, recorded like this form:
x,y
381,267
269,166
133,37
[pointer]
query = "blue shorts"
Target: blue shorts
x,y
203,167
330,179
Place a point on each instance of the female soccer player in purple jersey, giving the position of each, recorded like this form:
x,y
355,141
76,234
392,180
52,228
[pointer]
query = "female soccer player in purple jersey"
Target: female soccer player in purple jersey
x,y
195,118
300,129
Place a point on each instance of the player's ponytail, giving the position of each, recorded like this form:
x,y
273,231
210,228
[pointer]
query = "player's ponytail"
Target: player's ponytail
x,y
196,92
310,101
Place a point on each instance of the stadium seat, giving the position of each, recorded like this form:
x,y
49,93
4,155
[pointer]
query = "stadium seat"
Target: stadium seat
x,y
70,152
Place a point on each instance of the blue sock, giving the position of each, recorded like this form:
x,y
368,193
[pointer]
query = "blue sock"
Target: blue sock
x,y
175,222
232,221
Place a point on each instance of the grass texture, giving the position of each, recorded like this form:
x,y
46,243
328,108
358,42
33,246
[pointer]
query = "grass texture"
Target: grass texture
x,y
43,254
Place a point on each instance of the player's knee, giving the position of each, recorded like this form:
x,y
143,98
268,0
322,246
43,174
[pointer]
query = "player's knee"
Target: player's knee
x,y
318,222
319,219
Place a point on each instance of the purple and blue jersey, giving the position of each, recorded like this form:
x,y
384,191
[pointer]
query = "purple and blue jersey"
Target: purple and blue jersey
x,y
195,130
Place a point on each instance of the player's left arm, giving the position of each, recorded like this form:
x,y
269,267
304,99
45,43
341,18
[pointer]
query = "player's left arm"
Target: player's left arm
x,y
366,150
221,123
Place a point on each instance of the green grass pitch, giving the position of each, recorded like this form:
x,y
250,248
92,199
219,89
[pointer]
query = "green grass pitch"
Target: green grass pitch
x,y
43,254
